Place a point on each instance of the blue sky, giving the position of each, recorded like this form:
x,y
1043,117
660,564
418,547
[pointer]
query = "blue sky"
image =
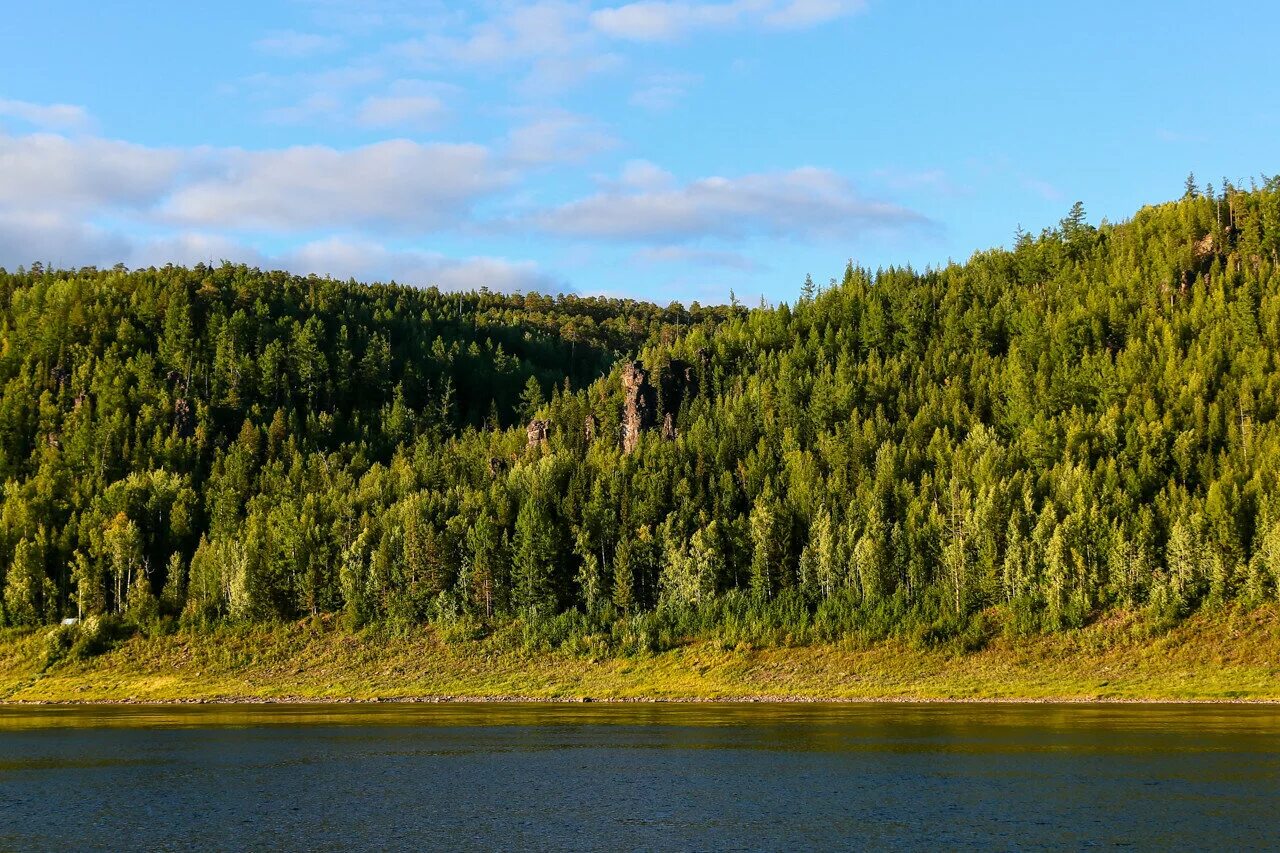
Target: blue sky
x,y
660,150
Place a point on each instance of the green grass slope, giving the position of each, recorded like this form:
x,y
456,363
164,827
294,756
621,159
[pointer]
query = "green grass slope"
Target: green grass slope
x,y
1230,654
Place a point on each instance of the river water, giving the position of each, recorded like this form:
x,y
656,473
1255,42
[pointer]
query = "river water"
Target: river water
x,y
654,777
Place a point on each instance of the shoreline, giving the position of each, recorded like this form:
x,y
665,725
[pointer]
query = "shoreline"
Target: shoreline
x,y
1229,657
250,701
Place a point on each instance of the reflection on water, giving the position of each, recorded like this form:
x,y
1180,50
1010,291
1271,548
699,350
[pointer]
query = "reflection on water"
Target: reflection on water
x,y
670,776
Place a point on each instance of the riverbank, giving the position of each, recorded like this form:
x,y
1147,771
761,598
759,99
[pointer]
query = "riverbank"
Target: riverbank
x,y
1231,655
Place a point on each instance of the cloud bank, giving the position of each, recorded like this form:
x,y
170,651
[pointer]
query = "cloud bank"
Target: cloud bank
x,y
647,204
78,199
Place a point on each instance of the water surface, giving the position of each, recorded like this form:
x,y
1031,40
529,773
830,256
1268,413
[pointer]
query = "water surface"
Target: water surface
x,y
659,777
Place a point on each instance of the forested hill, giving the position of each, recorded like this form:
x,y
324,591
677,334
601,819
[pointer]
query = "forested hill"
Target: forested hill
x,y
1084,422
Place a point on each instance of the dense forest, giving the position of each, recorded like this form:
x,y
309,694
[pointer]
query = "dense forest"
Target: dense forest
x,y
1086,421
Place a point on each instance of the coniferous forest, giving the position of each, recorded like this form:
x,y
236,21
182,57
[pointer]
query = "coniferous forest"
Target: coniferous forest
x,y
1088,421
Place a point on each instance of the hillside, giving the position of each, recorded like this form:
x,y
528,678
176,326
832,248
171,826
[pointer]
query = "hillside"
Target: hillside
x,y
1231,654
1019,444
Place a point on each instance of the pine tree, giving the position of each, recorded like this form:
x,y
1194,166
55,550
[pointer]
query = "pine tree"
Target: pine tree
x,y
624,576
808,290
1190,190
531,400
533,558
24,583
178,341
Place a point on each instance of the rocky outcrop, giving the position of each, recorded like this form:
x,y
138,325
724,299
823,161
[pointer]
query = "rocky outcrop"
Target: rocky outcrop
x,y
589,427
537,432
638,405
645,405
668,427
1205,246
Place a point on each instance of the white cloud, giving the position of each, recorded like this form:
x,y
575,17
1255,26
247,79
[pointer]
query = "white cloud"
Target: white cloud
x,y
700,257
365,16
295,45
397,184
91,201
514,33
400,110
557,137
191,247
643,175
47,172
344,95
560,44
653,20
51,238
552,45
69,244
553,74
342,258
87,200
330,80
808,13
662,91
311,108
310,96
45,116
660,20
806,203
407,102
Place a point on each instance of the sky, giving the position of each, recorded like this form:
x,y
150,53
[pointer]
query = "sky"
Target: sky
x,y
666,150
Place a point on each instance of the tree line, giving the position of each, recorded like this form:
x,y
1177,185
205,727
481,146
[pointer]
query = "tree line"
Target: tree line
x,y
1086,420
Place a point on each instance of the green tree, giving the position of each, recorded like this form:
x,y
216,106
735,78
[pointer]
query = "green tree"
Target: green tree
x,y
768,546
531,400
122,550
142,607
177,346
534,560
25,585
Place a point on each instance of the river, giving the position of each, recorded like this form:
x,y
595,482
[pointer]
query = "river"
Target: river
x,y
639,776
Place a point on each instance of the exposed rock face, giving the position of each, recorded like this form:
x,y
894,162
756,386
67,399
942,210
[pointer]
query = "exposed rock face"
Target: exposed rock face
x,y
589,429
537,432
1205,246
645,406
638,405
1205,251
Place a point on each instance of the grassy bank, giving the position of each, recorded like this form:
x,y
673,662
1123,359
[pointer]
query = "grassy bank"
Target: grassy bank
x,y
1223,655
